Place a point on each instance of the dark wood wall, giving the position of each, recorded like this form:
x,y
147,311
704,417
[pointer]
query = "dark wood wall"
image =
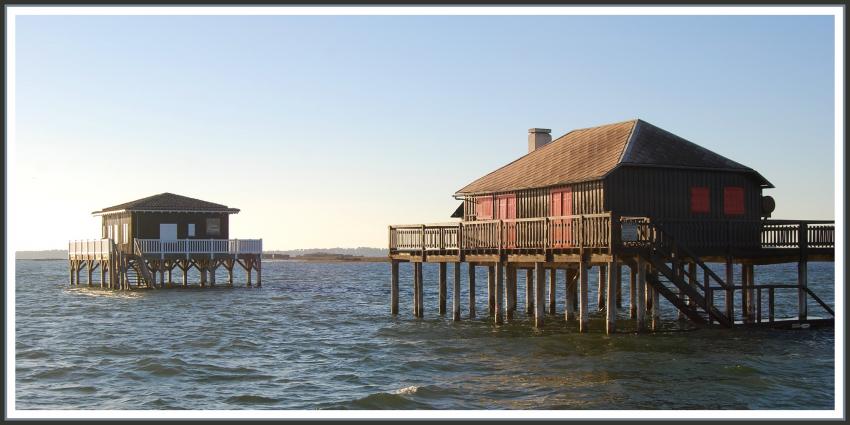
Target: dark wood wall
x,y
662,193
147,225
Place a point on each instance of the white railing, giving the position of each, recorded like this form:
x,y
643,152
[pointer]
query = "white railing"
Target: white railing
x,y
199,246
93,249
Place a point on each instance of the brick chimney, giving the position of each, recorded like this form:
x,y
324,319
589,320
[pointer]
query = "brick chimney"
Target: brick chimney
x,y
538,137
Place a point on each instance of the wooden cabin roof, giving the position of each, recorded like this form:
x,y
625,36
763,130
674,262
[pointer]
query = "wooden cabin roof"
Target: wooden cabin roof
x,y
168,202
592,153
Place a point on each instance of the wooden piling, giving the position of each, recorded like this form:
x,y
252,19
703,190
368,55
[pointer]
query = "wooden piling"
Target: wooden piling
x,y
442,288
729,302
745,294
258,266
539,294
582,297
212,268
394,287
416,284
89,271
692,281
491,290
656,307
633,292
618,283
803,272
498,293
420,296
529,291
611,299
569,294
456,293
640,294
603,281
751,293
553,281
770,305
102,276
510,291
471,276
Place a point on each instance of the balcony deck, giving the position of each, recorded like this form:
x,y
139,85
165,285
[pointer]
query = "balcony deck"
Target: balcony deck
x,y
599,236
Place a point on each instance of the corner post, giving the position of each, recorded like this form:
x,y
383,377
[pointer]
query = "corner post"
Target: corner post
x,y
394,287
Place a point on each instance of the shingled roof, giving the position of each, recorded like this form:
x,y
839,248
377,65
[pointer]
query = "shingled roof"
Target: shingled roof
x,y
592,153
168,202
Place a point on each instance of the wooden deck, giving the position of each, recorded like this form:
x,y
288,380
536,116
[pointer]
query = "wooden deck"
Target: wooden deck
x,y
598,236
665,259
152,261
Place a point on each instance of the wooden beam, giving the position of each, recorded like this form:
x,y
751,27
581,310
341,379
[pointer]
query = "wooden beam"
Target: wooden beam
x,y
540,295
442,288
498,293
394,287
582,297
471,277
456,293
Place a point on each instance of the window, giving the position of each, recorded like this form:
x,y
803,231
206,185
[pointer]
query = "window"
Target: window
x,y
115,232
213,226
109,232
561,202
700,200
126,232
484,208
733,200
191,230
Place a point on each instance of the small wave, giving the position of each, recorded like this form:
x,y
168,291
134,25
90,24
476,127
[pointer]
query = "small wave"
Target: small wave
x,y
407,390
251,399
54,373
80,389
387,401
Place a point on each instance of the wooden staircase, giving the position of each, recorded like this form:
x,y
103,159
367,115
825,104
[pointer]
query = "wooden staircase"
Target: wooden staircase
x,y
663,249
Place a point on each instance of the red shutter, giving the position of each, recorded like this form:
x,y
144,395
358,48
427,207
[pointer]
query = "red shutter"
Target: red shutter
x,y
700,200
567,201
733,200
484,208
556,204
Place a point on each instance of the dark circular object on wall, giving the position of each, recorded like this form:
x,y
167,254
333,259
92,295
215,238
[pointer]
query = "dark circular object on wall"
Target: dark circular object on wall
x,y
767,205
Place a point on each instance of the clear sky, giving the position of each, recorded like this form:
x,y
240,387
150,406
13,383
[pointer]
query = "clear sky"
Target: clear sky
x,y
324,130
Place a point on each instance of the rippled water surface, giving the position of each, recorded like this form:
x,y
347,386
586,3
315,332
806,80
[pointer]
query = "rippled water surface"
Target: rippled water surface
x,y
320,336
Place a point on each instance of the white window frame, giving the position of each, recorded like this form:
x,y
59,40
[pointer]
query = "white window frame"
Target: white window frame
x,y
109,232
126,230
191,230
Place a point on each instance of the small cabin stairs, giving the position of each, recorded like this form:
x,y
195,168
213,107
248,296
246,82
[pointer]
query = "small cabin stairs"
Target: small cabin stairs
x,y
140,268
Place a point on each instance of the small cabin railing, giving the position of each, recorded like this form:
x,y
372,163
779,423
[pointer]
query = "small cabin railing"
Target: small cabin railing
x,y
91,249
198,246
595,231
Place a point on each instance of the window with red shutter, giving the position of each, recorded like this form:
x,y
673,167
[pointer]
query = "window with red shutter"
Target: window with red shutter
x,y
484,208
700,200
733,200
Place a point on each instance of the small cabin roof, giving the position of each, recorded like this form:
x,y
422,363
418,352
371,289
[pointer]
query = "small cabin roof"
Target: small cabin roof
x,y
167,202
592,153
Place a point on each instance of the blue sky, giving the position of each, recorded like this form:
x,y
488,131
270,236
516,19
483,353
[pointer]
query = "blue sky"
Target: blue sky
x,y
347,124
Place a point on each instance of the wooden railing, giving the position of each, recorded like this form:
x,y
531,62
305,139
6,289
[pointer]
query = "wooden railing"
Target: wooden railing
x,y
198,246
91,249
579,231
595,231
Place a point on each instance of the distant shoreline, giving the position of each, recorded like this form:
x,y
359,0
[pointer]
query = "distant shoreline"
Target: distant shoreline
x,y
297,259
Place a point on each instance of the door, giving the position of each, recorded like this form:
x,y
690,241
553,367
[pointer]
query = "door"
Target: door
x,y
561,205
506,208
167,231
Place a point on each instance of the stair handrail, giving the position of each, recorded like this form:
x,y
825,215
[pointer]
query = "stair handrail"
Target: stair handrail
x,y
654,241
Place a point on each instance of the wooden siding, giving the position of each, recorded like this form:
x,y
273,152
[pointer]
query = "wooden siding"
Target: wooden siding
x,y
119,219
587,198
662,193
147,225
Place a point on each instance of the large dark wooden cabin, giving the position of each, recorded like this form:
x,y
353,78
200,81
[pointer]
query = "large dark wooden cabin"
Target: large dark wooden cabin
x,y
628,169
624,194
153,235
